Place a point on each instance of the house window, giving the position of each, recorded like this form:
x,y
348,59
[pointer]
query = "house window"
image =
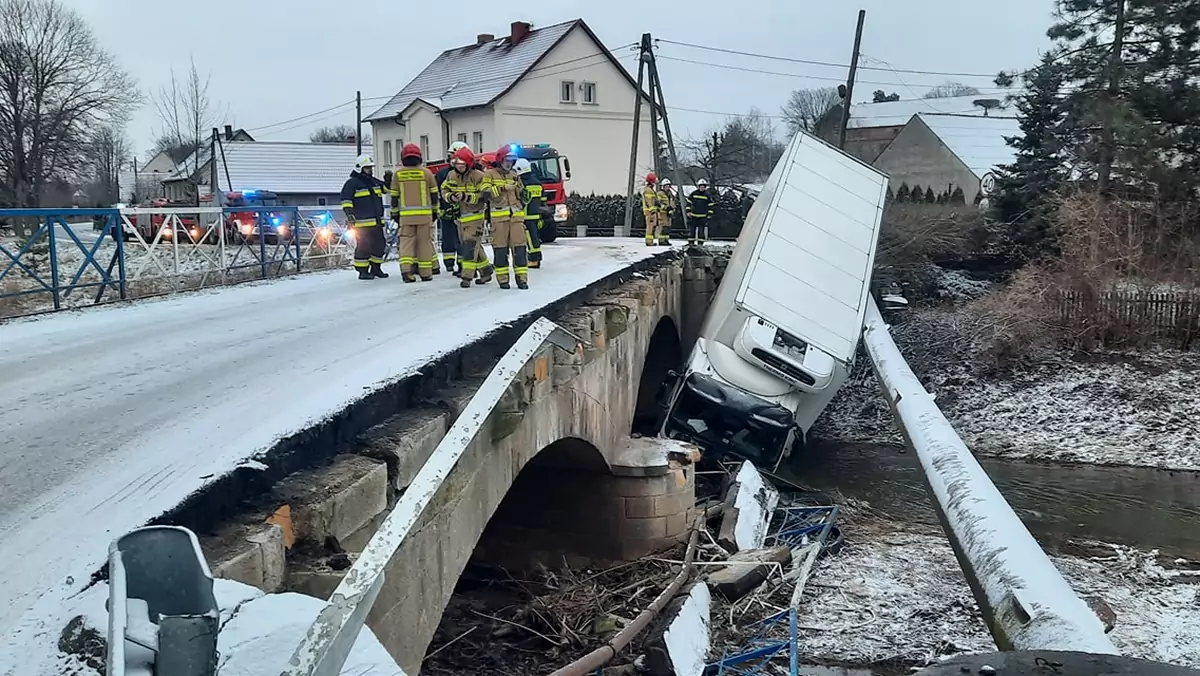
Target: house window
x,y
589,93
567,92
320,201
462,138
424,146
477,141
387,153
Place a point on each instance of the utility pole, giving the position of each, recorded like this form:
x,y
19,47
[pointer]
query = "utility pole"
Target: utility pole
x,y
862,15
647,66
358,120
212,170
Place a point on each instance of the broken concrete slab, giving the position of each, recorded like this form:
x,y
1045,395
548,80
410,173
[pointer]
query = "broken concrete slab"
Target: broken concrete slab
x,y
335,501
749,505
679,642
252,554
747,570
649,456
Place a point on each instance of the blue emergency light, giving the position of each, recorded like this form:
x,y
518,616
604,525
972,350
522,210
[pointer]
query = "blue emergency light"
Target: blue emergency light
x,y
249,193
275,221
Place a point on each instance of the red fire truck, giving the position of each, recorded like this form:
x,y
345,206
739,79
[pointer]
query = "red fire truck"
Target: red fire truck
x,y
551,168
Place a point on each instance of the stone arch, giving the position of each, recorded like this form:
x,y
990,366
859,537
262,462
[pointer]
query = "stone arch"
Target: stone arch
x,y
664,352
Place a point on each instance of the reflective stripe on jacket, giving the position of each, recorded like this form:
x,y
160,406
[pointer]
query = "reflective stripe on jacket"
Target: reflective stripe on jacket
x,y
649,198
534,199
362,199
468,188
699,205
662,199
414,193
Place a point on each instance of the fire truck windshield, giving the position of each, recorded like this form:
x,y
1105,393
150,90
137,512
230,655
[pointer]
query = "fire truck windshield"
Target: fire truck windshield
x,y
546,169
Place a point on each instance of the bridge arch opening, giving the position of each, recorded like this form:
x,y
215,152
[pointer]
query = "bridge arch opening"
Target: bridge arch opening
x,y
664,353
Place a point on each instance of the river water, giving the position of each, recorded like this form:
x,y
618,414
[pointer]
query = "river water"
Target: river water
x,y
1141,507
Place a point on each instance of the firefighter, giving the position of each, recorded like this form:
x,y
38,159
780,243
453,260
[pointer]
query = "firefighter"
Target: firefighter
x,y
650,207
533,210
699,209
447,221
507,208
666,210
414,193
362,200
465,186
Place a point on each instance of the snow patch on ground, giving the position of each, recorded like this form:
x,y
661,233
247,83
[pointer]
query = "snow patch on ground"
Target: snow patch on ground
x,y
892,594
1108,408
258,634
959,286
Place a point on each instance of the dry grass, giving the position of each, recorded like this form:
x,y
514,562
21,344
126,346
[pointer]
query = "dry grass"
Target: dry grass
x,y
912,236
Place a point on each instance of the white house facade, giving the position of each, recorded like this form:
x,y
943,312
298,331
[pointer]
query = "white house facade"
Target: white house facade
x,y
558,85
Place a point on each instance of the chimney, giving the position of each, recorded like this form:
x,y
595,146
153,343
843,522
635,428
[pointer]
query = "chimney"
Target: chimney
x,y
228,132
484,38
519,30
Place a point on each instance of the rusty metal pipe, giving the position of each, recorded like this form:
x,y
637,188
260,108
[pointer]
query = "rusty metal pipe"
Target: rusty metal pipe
x,y
604,654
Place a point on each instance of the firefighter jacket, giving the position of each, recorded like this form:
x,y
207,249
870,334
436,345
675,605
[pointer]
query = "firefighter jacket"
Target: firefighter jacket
x,y
362,199
699,205
448,210
505,189
467,190
414,193
662,199
649,198
533,198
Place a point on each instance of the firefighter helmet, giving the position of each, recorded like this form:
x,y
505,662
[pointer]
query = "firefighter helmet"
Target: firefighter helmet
x,y
464,154
666,182
363,162
410,150
504,152
651,178
702,183
455,147
522,166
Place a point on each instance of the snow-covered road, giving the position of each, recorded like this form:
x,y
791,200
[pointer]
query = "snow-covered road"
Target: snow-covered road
x,y
110,417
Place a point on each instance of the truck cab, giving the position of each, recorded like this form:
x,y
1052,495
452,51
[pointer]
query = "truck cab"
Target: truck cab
x,y
781,335
253,223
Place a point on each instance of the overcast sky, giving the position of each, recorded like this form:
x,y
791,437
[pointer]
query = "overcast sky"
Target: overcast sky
x,y
275,60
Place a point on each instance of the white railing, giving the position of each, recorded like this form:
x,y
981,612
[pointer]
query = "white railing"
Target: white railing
x,y
331,637
1025,600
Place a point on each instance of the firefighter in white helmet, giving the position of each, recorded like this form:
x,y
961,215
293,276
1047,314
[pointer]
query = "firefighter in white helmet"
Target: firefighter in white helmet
x,y
699,210
362,200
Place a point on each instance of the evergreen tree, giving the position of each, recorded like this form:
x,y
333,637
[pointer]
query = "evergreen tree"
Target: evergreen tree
x,y
1026,187
902,193
957,197
891,195
930,198
916,195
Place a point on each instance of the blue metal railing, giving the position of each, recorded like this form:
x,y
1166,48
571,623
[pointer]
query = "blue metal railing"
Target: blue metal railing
x,y
47,256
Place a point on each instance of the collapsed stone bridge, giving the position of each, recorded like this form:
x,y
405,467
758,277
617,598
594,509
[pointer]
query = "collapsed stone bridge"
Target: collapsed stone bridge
x,y
558,473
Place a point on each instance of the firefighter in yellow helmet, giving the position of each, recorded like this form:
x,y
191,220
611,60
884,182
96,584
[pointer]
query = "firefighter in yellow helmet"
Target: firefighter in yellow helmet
x,y
508,219
414,193
650,207
465,186
362,200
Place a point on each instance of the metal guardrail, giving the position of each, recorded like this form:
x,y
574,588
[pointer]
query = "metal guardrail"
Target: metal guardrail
x,y
1025,600
46,255
332,635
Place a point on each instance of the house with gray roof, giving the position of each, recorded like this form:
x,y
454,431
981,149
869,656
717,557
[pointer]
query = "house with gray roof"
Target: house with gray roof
x,y
555,84
944,151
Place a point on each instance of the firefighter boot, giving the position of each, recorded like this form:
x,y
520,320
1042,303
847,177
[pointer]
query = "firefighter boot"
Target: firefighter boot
x,y
522,282
377,271
364,273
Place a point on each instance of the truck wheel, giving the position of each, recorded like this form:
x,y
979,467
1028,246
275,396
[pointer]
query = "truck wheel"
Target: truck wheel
x,y
549,231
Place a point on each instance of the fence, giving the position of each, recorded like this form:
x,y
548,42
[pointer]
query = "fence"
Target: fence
x,y
1172,315
52,259
1026,603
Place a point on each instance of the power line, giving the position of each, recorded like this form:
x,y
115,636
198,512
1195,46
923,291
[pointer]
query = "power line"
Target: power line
x,y
792,75
302,117
811,62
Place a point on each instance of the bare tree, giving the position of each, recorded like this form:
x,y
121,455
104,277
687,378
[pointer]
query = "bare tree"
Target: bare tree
x,y
949,89
57,87
744,149
110,155
805,107
187,114
340,133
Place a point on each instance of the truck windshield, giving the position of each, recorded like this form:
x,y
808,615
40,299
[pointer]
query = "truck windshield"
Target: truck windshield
x,y
745,426
546,169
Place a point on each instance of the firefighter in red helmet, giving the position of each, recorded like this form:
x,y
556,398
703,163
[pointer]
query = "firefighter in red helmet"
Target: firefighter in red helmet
x,y
507,209
466,186
414,193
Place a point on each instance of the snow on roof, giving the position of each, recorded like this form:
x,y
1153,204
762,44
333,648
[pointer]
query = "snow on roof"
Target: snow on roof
x,y
898,113
475,75
286,166
978,141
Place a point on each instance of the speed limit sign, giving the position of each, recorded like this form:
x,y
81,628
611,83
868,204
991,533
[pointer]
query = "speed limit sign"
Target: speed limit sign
x,y
987,184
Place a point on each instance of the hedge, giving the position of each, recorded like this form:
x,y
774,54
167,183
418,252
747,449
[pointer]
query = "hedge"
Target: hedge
x,y
602,213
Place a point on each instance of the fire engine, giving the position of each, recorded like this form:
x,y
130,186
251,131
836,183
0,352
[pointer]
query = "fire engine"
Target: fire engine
x,y
551,168
252,224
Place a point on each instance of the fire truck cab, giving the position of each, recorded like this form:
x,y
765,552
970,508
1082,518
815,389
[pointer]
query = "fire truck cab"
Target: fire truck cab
x,y
254,223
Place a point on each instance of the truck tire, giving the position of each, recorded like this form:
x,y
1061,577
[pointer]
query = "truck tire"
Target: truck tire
x,y
549,231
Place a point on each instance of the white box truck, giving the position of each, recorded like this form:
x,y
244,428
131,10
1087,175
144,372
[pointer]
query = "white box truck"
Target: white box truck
x,y
781,334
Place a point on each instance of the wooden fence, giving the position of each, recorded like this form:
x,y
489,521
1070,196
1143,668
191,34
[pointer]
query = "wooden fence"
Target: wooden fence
x,y
1119,316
